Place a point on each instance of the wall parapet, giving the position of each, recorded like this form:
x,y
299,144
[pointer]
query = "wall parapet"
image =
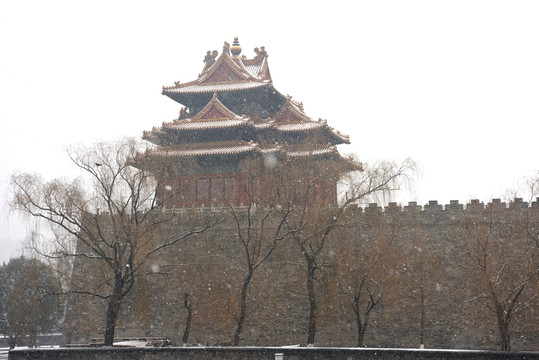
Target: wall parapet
x,y
454,205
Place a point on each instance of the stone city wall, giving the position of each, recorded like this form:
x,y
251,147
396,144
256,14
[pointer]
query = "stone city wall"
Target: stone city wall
x,y
209,267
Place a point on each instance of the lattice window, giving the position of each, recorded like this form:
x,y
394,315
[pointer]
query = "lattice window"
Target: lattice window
x,y
294,192
311,193
259,188
168,194
159,191
230,188
333,192
203,193
328,192
216,189
178,192
188,192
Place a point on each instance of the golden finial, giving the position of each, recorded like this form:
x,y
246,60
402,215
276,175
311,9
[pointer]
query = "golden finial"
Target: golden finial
x,y
235,49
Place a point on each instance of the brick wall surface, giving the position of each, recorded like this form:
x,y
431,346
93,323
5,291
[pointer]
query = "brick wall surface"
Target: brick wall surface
x,y
210,267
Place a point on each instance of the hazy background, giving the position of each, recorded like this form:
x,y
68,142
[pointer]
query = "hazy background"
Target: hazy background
x,y
453,84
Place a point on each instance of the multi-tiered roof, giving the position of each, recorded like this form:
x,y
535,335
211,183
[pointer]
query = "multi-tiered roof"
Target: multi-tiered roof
x,y
232,111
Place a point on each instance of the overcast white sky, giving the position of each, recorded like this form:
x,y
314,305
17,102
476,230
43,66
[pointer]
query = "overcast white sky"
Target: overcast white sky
x,y
453,84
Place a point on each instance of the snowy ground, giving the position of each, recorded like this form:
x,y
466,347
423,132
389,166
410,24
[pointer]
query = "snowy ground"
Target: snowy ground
x,y
4,351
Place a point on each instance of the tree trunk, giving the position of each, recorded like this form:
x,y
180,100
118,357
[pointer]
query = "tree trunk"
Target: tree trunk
x,y
32,338
360,331
361,325
422,320
312,300
506,341
189,308
17,340
113,309
243,307
12,341
505,336
112,314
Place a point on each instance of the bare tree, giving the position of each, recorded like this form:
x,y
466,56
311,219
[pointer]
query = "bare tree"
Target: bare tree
x,y
531,219
116,223
317,221
418,280
371,260
260,226
501,262
527,188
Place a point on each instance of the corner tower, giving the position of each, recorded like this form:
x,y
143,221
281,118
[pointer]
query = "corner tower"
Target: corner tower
x,y
232,113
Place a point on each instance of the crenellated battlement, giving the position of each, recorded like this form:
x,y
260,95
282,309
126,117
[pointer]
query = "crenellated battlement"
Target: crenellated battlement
x,y
454,206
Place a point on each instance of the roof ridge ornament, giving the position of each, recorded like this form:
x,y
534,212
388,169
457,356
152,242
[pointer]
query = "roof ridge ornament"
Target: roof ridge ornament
x,y
226,48
184,113
209,59
236,48
261,53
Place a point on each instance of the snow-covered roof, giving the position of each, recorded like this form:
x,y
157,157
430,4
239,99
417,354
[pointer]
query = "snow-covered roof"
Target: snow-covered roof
x,y
227,74
231,72
255,67
204,149
216,87
200,125
299,126
314,152
215,115
235,148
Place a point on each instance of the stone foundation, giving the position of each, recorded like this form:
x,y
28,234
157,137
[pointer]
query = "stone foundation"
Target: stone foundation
x,y
253,353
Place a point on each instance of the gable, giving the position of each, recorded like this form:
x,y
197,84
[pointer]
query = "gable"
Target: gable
x,y
214,110
213,113
222,73
287,116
